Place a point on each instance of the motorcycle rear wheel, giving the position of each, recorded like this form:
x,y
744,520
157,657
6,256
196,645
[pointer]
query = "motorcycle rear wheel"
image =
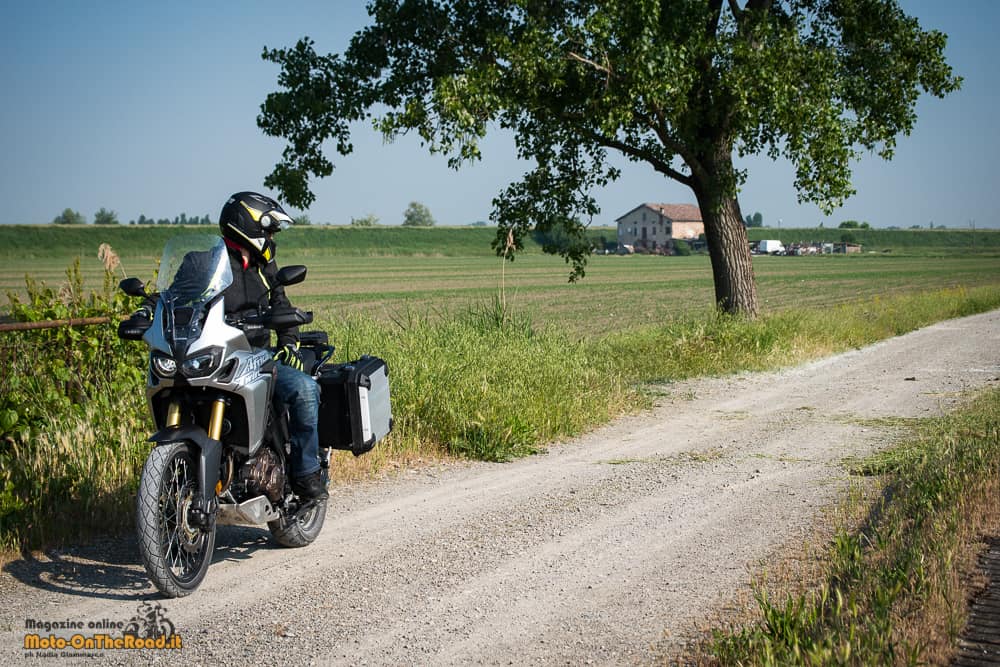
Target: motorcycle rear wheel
x,y
175,553
299,529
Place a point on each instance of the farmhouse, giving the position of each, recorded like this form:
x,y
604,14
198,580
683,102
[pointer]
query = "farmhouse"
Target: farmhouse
x,y
655,227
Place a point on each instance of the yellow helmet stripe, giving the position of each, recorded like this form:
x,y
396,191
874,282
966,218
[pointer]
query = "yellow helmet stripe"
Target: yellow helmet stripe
x,y
254,213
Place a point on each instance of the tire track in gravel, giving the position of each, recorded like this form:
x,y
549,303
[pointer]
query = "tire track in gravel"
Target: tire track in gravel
x,y
602,549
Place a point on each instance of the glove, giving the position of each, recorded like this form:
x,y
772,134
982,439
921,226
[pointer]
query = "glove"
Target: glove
x,y
144,313
289,355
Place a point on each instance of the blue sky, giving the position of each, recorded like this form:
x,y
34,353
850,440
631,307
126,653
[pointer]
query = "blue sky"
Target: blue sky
x,y
151,108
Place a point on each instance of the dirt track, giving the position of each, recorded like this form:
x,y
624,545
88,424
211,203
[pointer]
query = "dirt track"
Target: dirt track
x,y
601,550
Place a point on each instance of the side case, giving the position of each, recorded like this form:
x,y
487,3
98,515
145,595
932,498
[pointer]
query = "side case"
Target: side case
x,y
355,411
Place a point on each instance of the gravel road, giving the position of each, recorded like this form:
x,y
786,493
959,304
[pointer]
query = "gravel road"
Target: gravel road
x,y
602,550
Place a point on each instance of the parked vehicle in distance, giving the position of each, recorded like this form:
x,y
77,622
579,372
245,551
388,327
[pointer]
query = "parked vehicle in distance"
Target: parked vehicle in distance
x,y
770,247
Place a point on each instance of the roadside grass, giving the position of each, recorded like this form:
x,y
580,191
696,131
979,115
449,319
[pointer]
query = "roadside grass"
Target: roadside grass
x,y
894,590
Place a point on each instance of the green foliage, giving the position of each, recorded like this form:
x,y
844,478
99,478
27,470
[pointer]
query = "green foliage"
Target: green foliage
x,y
853,224
663,83
461,383
755,220
682,248
182,219
69,217
369,220
71,418
105,217
417,215
883,578
302,220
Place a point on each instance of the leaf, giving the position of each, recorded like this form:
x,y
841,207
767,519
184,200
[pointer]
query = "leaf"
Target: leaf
x,y
8,419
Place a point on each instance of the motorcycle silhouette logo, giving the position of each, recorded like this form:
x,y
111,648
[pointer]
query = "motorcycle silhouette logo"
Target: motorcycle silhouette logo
x,y
150,622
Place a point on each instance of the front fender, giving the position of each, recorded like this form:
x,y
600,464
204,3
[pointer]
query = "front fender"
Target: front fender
x,y
209,456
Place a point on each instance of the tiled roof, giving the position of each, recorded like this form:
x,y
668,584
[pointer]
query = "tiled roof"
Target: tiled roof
x,y
678,212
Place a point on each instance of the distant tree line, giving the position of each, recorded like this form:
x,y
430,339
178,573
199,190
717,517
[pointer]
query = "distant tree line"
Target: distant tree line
x,y
181,219
106,217
416,215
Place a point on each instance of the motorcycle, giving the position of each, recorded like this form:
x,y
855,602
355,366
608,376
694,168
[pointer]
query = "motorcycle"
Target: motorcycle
x,y
221,450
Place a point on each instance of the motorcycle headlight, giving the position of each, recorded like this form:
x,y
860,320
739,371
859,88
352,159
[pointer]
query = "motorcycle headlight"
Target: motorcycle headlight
x,y
164,366
201,363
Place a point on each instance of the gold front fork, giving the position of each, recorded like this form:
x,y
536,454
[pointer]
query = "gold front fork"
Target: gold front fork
x,y
173,414
215,422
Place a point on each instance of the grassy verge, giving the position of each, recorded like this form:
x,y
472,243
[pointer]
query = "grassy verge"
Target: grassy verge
x,y
480,383
891,592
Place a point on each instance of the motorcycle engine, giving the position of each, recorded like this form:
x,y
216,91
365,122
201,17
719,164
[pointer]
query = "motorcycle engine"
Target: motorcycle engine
x,y
264,475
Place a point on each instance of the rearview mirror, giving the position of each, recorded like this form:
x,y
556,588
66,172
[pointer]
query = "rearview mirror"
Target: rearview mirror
x,y
292,275
132,287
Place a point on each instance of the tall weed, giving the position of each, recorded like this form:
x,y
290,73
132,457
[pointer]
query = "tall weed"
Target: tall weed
x,y
483,386
71,417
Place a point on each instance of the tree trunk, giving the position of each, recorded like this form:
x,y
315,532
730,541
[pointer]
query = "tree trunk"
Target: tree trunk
x,y
732,265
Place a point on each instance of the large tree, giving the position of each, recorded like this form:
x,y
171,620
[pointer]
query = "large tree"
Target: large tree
x,y
682,85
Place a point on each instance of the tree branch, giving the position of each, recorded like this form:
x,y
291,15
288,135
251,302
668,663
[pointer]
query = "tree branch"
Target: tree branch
x,y
734,7
601,68
587,61
657,164
659,126
715,13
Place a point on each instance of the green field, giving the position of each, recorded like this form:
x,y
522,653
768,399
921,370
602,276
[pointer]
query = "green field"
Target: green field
x,y
391,272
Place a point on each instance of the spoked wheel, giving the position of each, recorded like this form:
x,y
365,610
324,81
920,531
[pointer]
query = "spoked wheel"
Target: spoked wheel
x,y
176,553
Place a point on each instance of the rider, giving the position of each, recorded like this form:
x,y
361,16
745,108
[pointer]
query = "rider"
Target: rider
x,y
248,223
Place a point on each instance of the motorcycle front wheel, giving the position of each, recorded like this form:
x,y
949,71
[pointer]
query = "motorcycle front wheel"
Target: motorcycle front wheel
x,y
176,553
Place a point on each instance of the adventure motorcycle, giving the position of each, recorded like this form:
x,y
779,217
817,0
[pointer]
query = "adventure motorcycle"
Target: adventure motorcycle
x,y
221,451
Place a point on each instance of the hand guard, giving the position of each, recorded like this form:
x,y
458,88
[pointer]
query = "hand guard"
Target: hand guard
x,y
289,355
135,326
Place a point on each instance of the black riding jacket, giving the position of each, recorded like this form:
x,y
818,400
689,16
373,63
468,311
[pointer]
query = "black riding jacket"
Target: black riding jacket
x,y
249,292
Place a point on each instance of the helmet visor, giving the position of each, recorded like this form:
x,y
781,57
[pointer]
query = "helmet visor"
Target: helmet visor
x,y
275,221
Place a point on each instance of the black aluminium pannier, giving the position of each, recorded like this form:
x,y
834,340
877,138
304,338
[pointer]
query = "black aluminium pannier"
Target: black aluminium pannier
x,y
355,411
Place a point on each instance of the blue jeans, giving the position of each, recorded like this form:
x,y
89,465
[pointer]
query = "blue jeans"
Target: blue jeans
x,y
300,394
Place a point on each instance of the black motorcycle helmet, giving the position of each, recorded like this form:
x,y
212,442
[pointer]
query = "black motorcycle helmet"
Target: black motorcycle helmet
x,y
248,219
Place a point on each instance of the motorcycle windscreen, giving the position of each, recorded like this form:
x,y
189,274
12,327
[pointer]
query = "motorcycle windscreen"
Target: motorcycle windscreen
x,y
194,271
